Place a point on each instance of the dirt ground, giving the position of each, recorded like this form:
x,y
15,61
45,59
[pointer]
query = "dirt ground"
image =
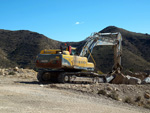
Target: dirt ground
x,y
19,94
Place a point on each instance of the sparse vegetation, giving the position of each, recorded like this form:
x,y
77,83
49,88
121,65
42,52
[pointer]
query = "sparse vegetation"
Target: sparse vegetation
x,y
102,92
138,99
136,49
11,73
147,106
114,95
128,100
53,86
19,48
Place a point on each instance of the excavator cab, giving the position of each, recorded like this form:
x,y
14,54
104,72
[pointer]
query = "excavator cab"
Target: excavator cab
x,y
72,50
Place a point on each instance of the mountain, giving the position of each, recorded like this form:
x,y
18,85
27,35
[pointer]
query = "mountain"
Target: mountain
x,y
136,50
19,48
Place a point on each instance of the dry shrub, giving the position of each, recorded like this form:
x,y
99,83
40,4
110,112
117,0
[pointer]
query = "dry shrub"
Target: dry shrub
x,y
53,86
102,92
128,100
11,73
138,99
146,106
114,95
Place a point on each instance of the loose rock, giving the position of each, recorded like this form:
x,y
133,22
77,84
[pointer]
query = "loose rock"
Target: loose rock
x,y
146,80
147,95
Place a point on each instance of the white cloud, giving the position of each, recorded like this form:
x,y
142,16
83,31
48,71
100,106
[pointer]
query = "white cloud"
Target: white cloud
x,y
77,23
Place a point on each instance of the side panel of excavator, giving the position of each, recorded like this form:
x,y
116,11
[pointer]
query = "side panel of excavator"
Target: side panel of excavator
x,y
49,61
62,61
76,62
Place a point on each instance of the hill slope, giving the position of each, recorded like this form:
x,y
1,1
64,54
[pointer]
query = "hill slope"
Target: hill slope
x,y
136,49
19,48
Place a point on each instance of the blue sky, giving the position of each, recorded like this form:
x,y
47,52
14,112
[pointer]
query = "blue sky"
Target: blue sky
x,y
74,20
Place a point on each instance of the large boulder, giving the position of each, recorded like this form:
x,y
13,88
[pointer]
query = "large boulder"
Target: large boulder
x,y
132,80
146,80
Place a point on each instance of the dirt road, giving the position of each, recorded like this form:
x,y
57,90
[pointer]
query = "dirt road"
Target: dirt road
x,y
18,95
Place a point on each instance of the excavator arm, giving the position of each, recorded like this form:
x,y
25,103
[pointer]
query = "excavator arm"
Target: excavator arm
x,y
97,39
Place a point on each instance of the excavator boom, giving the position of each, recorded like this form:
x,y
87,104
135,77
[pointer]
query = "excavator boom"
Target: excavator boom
x,y
98,39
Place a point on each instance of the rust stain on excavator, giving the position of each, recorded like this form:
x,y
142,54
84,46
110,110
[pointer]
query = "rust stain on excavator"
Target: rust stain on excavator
x,y
52,64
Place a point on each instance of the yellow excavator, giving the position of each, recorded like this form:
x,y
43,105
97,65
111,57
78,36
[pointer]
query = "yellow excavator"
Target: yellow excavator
x,y
67,64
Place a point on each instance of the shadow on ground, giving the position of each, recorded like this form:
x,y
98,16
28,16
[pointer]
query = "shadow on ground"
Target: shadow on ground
x,y
36,82
28,82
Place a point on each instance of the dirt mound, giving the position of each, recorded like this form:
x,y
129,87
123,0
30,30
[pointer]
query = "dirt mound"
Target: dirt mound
x,y
138,95
19,72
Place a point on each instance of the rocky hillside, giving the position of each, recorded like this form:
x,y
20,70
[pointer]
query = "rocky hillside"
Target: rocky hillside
x,y
19,48
136,49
